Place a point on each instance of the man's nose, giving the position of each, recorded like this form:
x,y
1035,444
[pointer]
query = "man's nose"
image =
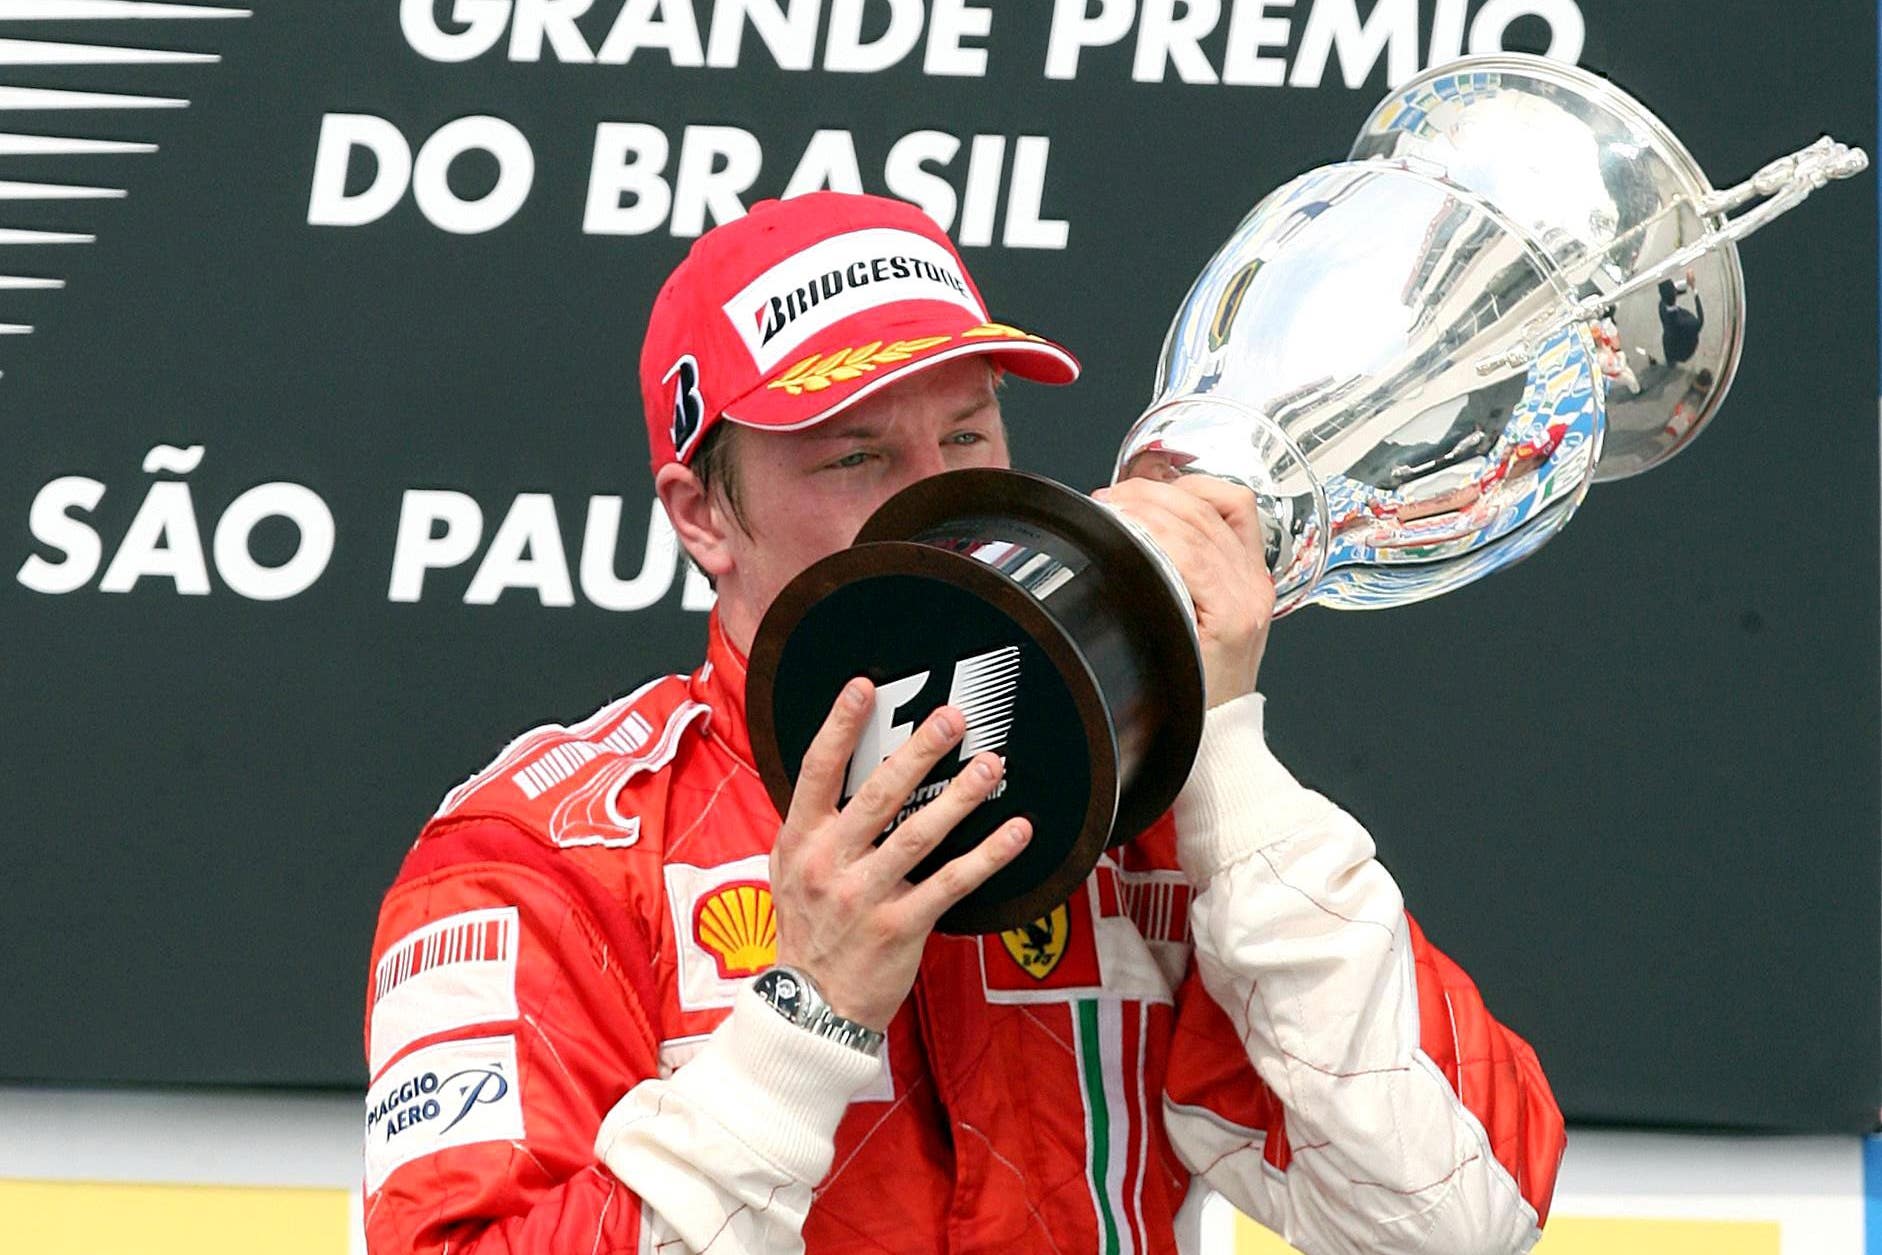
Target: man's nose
x,y
919,463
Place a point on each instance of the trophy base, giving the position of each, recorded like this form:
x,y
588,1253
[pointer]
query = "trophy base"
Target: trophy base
x,y
1034,611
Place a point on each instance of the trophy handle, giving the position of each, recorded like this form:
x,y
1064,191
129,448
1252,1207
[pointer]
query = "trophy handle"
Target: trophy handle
x,y
1808,168
1787,182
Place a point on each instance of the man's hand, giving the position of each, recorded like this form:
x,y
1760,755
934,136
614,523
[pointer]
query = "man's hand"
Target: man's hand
x,y
1211,530
846,915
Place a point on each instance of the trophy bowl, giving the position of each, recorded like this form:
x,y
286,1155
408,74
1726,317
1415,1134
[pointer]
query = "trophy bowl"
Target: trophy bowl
x,y
1608,191
1342,356
1420,359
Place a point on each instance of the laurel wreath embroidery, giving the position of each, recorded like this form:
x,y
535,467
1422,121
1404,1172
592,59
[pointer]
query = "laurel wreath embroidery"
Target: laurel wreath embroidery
x,y
820,370
989,330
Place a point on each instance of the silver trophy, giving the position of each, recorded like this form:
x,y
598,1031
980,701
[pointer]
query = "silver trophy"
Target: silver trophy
x,y
1420,358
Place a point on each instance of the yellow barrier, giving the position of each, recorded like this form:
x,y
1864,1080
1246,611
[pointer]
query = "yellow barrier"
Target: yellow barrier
x,y
1581,1235
75,1218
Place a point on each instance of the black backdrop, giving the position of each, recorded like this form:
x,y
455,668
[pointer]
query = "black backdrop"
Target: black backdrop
x,y
1632,784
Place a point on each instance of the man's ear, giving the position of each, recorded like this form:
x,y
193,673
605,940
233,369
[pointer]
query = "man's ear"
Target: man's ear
x,y
701,522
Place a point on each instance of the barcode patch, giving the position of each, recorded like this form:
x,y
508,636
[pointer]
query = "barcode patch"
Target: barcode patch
x,y
559,762
1158,905
452,973
475,937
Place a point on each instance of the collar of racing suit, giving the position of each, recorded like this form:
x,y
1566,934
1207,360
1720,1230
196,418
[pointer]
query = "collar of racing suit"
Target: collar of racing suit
x,y
719,684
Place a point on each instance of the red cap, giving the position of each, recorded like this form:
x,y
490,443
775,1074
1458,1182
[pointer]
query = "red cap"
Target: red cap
x,y
803,307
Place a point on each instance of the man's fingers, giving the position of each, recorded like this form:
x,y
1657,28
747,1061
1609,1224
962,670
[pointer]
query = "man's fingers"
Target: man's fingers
x,y
1232,503
1175,517
1247,564
922,831
962,875
1211,529
826,763
1225,513
1203,558
889,785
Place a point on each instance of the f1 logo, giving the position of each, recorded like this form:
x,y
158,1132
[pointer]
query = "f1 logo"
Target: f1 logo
x,y
983,689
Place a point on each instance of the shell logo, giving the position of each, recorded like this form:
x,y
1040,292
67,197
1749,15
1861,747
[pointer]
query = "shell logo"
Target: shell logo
x,y
736,924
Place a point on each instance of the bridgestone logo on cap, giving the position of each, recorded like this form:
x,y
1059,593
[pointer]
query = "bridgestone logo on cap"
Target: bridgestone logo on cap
x,y
838,277
784,309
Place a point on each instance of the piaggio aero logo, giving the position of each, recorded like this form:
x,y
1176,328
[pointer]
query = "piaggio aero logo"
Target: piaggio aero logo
x,y
984,689
101,62
429,1097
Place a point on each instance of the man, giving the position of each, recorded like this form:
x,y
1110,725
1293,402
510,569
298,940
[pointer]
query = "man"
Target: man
x,y
1679,327
568,1047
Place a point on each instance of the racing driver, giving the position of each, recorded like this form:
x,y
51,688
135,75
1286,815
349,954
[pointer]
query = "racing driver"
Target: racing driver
x,y
617,1003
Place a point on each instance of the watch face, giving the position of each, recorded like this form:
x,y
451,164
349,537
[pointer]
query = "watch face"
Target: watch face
x,y
784,991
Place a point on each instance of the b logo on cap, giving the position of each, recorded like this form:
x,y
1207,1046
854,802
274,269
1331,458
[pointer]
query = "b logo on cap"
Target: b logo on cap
x,y
689,408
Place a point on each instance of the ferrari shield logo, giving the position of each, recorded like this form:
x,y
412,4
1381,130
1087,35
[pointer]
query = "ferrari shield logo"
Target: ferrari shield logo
x,y
1037,947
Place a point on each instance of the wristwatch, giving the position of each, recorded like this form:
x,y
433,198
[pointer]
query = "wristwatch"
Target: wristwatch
x,y
793,995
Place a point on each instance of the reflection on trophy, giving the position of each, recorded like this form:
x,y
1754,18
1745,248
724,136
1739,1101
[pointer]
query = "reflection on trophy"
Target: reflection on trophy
x,y
1421,358
1418,359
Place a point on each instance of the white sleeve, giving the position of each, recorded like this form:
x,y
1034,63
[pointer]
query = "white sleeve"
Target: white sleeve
x,y
1301,938
726,1150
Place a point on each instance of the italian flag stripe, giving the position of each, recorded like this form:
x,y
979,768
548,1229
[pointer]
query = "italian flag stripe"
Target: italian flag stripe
x,y
1099,1021
1139,1154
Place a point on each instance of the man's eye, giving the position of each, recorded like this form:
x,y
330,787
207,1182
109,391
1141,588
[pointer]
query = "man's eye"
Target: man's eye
x,y
850,460
967,437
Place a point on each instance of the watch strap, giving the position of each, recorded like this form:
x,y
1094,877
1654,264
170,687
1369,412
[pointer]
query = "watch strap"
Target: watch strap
x,y
808,1010
826,1023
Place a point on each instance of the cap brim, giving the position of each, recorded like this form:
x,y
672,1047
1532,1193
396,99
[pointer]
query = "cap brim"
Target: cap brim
x,y
817,387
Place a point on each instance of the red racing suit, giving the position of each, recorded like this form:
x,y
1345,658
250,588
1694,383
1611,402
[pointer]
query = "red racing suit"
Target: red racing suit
x,y
565,1054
